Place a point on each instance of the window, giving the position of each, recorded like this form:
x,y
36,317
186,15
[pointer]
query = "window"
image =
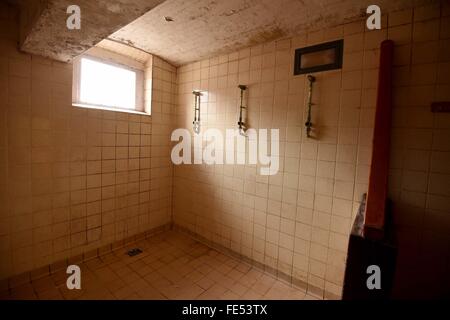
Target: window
x,y
100,82
321,57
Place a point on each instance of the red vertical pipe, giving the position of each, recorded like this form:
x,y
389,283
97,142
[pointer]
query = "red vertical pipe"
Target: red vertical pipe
x,y
379,169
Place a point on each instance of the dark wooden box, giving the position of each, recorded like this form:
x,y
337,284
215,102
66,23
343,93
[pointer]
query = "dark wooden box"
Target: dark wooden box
x,y
363,252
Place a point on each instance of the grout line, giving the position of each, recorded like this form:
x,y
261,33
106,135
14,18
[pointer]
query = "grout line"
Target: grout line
x,y
259,266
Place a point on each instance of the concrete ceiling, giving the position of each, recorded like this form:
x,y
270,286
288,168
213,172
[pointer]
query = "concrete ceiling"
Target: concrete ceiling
x,y
204,28
124,50
43,29
200,28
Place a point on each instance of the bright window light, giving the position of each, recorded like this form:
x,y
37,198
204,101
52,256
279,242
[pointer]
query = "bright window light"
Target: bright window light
x,y
107,85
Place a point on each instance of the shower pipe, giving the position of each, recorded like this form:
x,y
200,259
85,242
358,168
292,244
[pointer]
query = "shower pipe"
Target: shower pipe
x,y
196,122
241,123
308,123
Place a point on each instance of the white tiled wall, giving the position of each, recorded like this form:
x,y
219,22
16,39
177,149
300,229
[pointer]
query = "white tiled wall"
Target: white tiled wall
x,y
298,221
75,179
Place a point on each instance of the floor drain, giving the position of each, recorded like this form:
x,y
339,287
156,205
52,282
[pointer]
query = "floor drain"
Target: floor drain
x,y
134,252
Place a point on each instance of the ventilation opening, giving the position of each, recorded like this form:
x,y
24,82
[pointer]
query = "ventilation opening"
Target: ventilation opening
x,y
134,252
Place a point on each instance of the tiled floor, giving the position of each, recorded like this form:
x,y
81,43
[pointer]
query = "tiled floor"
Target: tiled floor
x,y
171,266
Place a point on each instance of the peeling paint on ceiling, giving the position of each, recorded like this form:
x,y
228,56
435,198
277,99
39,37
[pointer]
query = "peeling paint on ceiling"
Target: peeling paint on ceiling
x,y
182,31
47,34
205,28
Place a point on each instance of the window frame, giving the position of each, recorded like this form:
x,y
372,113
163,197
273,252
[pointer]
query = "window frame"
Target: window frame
x,y
337,46
116,60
